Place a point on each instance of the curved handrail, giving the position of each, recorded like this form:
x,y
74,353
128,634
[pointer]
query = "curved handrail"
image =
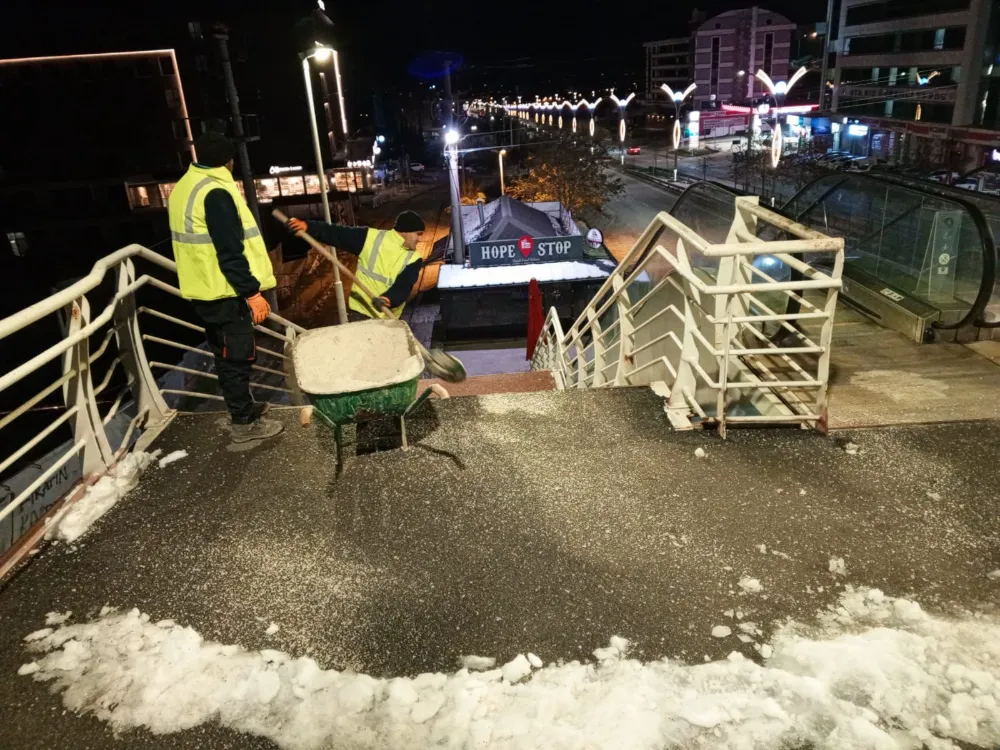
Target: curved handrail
x,y
989,276
962,197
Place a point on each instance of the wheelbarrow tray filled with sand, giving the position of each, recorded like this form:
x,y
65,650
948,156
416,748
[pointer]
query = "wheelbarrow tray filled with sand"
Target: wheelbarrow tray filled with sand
x,y
358,370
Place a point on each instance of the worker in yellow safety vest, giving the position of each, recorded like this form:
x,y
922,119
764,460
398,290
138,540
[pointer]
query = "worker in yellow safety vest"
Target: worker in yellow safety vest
x,y
388,262
222,267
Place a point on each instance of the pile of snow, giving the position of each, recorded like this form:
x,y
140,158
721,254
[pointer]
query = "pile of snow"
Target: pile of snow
x,y
874,673
75,518
171,457
478,663
750,585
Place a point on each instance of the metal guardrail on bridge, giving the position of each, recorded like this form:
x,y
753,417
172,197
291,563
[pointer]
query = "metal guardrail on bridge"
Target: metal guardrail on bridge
x,y
84,409
688,317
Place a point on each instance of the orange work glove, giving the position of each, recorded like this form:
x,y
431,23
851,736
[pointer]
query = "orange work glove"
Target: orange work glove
x,y
295,226
259,309
381,303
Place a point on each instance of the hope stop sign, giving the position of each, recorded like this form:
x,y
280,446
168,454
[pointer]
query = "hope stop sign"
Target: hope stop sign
x,y
525,244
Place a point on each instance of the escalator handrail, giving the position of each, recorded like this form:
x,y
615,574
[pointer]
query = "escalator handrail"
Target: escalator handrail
x,y
989,277
958,196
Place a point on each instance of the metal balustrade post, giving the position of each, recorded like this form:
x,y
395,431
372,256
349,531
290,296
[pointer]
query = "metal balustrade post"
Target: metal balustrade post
x,y
677,408
731,267
826,340
626,329
97,456
597,341
145,391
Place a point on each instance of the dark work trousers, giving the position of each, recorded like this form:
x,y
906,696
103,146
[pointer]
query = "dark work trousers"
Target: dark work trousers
x,y
353,316
229,330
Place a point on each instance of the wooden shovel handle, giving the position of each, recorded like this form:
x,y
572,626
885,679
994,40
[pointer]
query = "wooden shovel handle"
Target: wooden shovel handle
x,y
280,216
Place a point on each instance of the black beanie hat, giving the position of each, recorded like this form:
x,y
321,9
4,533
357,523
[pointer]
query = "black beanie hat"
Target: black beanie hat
x,y
214,149
408,221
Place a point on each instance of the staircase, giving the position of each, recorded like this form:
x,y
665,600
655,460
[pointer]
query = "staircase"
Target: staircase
x,y
699,322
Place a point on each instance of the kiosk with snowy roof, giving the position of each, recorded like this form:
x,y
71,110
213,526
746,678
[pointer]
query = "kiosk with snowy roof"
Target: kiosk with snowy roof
x,y
507,244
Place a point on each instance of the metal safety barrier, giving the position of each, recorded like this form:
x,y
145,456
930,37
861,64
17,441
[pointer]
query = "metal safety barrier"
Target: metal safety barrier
x,y
692,319
112,342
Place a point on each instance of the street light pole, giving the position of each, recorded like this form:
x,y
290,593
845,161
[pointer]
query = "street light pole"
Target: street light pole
x,y
677,97
451,138
778,91
500,156
221,35
622,106
322,53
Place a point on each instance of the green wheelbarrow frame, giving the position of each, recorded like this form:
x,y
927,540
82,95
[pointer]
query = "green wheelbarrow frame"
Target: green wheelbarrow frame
x,y
394,399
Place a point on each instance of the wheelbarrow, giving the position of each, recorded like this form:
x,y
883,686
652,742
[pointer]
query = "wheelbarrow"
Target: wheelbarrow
x,y
351,373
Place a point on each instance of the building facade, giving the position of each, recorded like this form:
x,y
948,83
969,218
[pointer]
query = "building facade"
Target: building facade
x,y
668,61
915,71
731,47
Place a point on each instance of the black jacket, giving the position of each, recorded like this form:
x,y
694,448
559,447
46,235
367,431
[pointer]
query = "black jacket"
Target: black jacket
x,y
226,230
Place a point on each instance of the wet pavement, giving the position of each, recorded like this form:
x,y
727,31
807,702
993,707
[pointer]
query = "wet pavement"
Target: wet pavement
x,y
531,521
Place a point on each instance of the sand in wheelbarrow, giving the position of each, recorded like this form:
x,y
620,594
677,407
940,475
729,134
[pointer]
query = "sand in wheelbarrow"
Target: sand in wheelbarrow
x,y
356,357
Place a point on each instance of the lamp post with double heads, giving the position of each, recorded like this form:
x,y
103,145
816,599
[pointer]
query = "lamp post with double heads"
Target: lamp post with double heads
x,y
322,53
622,106
677,97
778,90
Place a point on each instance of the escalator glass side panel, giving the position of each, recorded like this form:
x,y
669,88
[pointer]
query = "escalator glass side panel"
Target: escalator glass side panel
x,y
935,248
988,205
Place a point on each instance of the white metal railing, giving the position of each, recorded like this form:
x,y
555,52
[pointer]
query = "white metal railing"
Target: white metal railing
x,y
689,318
89,337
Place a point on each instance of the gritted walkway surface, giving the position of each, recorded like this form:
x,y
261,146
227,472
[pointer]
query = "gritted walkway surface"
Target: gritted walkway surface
x,y
532,521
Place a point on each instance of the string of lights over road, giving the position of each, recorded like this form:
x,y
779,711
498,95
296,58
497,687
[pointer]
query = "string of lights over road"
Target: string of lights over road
x,y
541,110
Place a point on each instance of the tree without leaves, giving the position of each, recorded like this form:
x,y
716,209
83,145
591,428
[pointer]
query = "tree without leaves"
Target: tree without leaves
x,y
568,171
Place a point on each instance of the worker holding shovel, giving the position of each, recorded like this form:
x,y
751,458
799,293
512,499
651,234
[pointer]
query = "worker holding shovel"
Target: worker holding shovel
x,y
388,262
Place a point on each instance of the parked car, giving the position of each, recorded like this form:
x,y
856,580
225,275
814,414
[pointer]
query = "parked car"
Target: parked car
x,y
941,175
416,166
633,151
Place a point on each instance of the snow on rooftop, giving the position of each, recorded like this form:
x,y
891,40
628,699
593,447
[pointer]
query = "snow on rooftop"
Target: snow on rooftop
x,y
454,276
872,673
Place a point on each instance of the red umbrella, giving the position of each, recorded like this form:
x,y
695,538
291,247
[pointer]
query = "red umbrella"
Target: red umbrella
x,y
536,317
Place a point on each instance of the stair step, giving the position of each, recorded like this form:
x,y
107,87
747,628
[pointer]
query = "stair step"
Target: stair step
x,y
480,385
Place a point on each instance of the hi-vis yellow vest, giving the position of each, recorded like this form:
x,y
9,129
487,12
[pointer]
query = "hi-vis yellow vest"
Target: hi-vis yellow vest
x,y
381,260
197,263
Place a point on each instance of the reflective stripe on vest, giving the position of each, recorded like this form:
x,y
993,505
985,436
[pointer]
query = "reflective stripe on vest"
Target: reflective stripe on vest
x,y
206,239
373,259
198,271
377,270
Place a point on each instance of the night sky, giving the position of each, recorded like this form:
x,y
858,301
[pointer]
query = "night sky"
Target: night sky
x,y
531,45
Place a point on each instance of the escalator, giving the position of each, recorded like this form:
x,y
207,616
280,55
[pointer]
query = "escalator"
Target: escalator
x,y
920,258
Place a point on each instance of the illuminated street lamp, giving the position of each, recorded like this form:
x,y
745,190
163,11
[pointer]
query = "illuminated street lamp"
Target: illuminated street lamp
x,y
677,97
451,139
322,54
500,156
590,109
622,106
778,91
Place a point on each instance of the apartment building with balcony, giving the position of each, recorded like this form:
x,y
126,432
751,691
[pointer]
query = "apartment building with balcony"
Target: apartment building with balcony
x,y
730,47
668,61
921,77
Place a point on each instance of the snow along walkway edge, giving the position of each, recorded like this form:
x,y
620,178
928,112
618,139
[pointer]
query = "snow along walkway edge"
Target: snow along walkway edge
x,y
873,673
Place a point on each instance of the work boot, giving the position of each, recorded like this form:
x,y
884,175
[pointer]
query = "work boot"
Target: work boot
x,y
260,429
260,408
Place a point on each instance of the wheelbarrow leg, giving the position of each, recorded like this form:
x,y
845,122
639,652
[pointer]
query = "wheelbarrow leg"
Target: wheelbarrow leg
x,y
402,430
338,436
